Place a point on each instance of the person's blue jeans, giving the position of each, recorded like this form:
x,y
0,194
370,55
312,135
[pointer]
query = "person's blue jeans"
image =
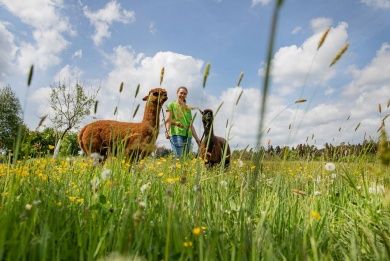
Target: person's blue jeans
x,y
181,145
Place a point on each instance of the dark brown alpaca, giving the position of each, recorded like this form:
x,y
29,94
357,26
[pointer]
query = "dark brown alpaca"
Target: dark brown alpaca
x,y
212,148
137,139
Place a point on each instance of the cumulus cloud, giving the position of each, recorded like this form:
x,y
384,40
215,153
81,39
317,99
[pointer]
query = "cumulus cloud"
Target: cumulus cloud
x,y
49,26
68,75
262,2
78,54
377,3
40,101
40,97
372,75
296,30
152,28
293,65
320,24
103,18
7,50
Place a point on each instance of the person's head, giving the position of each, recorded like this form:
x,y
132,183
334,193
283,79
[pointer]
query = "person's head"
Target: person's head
x,y
182,93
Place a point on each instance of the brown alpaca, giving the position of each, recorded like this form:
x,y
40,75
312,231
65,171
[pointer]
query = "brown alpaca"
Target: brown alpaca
x,y
214,154
137,139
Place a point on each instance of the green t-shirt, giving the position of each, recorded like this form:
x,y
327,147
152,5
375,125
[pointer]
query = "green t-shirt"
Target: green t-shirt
x,y
180,116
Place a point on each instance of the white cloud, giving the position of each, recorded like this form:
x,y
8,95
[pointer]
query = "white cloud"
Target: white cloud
x,y
296,30
78,54
377,3
49,26
152,28
372,75
68,75
39,99
103,18
320,24
262,2
294,66
7,51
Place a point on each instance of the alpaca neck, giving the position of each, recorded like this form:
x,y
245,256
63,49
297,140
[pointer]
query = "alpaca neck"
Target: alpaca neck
x,y
152,114
208,131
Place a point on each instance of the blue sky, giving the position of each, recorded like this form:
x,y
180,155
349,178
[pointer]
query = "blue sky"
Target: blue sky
x,y
102,43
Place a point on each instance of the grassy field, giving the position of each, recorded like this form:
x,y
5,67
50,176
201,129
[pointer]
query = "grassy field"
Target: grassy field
x,y
69,209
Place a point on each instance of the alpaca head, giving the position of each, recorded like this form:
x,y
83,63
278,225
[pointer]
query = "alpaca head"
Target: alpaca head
x,y
207,117
156,96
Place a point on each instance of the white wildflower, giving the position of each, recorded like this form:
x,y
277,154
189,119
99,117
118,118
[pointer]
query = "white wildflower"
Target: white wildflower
x,y
330,166
28,207
333,175
142,204
240,163
317,193
95,184
96,157
376,189
106,173
223,183
145,187
37,202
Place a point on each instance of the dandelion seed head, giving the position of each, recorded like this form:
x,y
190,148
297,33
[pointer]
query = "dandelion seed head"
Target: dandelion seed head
x,y
28,207
330,166
106,173
145,187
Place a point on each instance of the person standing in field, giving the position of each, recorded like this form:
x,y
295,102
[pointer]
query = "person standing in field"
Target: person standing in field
x,y
179,124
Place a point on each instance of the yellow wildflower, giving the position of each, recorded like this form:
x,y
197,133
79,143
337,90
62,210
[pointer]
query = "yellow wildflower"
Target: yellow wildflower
x,y
51,147
315,215
197,231
160,174
172,180
187,244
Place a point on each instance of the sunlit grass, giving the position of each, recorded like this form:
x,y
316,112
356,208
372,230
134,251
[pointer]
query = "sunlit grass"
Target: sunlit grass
x,y
70,209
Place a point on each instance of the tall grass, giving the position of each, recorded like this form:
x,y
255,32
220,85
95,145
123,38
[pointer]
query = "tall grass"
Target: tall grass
x,y
68,209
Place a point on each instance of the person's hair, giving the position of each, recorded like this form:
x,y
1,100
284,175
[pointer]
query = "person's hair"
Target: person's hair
x,y
184,88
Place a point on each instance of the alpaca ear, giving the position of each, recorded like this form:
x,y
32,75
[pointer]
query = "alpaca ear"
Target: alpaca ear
x,y
145,98
201,112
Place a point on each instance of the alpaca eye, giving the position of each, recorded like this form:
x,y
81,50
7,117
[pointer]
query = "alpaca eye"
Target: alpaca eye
x,y
155,94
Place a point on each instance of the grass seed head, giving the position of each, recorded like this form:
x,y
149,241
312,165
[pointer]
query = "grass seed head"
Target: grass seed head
x,y
300,101
95,106
206,74
136,110
323,38
239,97
42,119
30,75
240,79
137,90
162,75
357,127
339,54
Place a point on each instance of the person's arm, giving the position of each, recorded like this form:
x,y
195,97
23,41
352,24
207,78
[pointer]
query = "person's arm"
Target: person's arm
x,y
195,135
167,124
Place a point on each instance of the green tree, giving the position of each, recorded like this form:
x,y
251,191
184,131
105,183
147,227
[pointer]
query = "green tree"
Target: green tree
x,y
70,105
10,117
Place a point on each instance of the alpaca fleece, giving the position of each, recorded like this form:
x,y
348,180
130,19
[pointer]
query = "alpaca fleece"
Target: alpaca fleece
x,y
136,139
212,147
